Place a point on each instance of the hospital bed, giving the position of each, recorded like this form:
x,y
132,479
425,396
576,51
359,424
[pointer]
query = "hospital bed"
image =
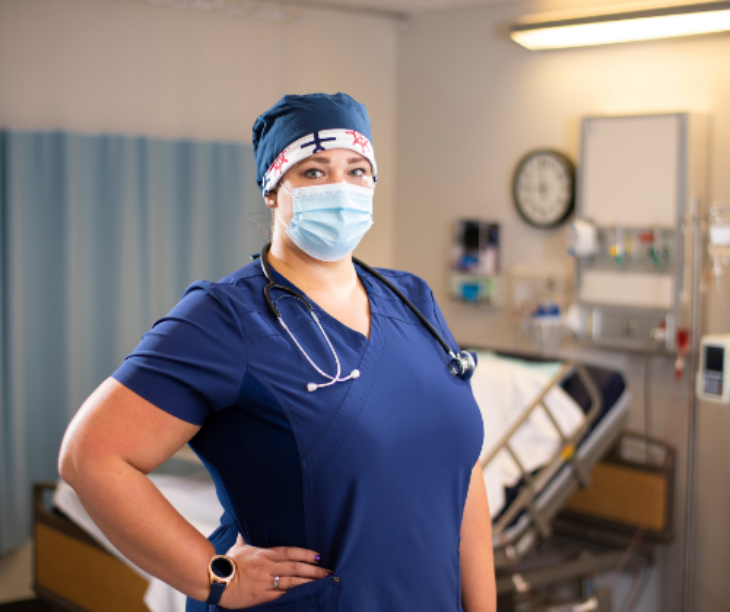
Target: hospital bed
x,y
557,420
77,569
572,413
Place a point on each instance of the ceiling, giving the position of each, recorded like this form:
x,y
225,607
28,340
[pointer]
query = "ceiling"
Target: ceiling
x,y
398,6
405,7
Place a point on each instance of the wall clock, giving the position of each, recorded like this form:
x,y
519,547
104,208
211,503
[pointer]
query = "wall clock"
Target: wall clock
x,y
544,188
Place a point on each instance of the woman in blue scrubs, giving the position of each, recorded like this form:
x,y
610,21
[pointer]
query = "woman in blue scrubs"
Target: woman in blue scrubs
x,y
344,452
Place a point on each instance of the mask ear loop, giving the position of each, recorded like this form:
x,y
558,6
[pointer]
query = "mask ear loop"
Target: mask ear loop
x,y
278,219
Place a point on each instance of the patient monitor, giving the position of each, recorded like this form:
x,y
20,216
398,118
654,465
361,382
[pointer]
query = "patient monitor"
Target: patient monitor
x,y
713,380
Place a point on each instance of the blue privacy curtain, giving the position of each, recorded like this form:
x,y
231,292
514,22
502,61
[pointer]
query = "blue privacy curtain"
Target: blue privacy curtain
x,y
99,236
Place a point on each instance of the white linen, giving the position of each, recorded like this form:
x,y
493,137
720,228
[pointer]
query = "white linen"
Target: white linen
x,y
504,388
193,496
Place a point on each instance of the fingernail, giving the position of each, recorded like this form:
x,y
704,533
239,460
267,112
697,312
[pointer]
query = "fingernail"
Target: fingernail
x,y
317,558
329,573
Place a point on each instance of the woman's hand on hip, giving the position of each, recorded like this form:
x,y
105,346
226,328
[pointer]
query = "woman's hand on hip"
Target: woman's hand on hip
x,y
258,568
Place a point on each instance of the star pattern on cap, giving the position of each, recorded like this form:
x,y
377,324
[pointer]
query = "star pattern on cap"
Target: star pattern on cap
x,y
359,139
279,162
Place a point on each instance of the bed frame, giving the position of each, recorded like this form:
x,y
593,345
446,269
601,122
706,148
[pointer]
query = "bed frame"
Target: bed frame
x,y
528,519
72,571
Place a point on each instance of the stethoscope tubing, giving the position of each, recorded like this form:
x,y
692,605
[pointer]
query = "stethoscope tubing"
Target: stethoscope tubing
x,y
461,364
426,323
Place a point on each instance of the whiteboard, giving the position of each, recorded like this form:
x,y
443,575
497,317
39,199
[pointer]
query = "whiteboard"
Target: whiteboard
x,y
630,170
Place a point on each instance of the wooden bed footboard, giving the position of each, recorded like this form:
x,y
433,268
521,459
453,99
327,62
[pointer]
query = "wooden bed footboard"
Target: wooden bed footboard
x,y
72,572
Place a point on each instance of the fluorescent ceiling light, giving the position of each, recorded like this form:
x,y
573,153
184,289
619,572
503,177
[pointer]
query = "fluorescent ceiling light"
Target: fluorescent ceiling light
x,y
608,29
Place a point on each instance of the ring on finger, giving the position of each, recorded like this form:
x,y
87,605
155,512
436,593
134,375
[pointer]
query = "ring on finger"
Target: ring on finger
x,y
276,583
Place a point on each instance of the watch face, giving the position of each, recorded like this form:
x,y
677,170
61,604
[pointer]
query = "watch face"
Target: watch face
x,y
221,567
543,188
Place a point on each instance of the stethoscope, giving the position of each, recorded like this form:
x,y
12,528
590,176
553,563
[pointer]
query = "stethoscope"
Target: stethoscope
x,y
462,364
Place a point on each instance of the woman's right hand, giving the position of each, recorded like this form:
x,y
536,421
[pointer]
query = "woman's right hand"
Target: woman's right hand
x,y
258,567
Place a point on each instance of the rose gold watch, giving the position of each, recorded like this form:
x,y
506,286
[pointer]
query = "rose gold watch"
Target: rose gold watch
x,y
221,571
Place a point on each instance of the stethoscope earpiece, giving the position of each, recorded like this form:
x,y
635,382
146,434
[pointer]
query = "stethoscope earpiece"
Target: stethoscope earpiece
x,y
314,386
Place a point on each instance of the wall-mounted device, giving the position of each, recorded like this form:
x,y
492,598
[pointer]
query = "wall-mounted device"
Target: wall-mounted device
x,y
637,178
475,265
713,377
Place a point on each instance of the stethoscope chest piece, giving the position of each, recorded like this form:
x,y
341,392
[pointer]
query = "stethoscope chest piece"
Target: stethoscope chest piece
x,y
463,364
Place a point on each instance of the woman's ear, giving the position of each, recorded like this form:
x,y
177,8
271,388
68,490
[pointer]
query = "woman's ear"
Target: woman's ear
x,y
270,198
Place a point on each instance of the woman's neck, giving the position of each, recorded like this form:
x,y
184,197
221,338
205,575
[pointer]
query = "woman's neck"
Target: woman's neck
x,y
309,274
334,286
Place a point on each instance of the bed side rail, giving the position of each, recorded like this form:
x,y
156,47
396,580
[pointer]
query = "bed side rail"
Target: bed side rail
x,y
534,483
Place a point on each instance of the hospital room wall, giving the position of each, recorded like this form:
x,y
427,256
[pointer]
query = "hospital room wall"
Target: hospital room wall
x,y
471,103
99,66
115,67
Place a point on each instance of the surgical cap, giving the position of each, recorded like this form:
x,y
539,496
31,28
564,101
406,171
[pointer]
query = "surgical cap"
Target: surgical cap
x,y
299,126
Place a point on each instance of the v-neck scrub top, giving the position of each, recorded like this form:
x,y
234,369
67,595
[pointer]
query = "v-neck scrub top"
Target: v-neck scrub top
x,y
371,473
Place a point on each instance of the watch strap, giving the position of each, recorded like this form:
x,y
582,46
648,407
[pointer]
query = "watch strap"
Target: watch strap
x,y
216,592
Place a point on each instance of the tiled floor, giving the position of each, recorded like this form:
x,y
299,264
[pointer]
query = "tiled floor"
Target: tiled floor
x,y
16,574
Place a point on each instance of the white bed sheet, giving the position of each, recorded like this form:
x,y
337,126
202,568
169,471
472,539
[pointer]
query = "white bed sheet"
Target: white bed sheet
x,y
504,388
193,496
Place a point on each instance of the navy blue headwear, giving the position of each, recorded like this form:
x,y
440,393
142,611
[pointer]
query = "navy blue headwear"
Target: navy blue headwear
x,y
298,126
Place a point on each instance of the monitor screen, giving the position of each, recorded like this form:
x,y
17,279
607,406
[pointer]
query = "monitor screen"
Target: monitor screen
x,y
714,358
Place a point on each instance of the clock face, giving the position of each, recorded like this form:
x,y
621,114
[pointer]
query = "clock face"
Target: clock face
x,y
543,188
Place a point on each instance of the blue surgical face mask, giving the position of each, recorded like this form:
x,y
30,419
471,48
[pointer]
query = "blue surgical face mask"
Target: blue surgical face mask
x,y
330,220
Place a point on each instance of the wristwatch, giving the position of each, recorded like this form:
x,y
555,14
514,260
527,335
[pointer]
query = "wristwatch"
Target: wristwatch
x,y
221,571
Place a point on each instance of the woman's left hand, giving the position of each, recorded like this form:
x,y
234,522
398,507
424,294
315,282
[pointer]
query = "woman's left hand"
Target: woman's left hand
x,y
256,581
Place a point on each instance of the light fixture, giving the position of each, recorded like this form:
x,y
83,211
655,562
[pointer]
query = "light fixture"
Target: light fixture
x,y
628,26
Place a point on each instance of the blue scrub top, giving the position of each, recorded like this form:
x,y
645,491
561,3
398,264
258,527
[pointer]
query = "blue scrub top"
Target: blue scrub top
x,y
371,473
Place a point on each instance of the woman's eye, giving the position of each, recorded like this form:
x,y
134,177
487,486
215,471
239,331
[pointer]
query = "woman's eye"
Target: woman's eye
x,y
358,172
313,173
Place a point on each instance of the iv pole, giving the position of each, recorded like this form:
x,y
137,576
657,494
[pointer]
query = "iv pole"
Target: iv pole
x,y
690,506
